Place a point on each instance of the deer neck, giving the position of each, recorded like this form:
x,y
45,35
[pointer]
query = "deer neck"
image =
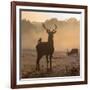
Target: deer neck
x,y
50,42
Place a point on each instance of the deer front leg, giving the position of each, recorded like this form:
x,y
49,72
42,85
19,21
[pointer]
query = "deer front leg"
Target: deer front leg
x,y
50,62
47,61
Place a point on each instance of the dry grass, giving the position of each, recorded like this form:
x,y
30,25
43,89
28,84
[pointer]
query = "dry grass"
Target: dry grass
x,y
63,65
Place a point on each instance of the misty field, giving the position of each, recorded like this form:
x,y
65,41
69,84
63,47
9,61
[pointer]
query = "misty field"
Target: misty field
x,y
62,65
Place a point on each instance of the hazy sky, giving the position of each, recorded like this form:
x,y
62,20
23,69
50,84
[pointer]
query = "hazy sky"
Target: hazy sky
x,y
41,16
66,37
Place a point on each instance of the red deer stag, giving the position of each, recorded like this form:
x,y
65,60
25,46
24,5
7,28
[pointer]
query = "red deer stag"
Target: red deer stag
x,y
46,48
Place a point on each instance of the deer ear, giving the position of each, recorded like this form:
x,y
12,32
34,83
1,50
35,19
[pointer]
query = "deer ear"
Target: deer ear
x,y
47,31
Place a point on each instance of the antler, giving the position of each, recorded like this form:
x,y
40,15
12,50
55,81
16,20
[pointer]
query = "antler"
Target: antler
x,y
54,30
45,27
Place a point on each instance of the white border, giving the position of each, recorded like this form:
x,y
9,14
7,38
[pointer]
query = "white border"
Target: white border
x,y
54,79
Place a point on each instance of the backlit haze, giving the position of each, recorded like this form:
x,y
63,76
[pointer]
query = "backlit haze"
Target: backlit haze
x,y
66,37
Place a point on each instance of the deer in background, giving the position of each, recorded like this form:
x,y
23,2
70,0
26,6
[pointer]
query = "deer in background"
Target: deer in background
x,y
74,51
46,48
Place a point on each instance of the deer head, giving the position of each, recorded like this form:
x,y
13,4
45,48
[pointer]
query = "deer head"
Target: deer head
x,y
50,32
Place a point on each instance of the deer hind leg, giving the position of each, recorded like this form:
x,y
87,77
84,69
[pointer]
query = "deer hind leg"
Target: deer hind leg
x,y
37,63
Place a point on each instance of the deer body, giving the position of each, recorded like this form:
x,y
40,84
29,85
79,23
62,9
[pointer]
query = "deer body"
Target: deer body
x,y
45,49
